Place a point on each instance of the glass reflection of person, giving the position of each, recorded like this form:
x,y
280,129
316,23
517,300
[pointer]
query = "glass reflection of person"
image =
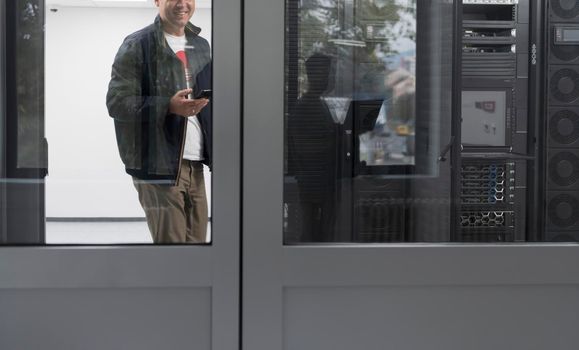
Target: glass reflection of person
x,y
164,135
312,152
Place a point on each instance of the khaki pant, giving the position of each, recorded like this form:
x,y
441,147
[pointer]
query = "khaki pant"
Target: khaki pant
x,y
176,214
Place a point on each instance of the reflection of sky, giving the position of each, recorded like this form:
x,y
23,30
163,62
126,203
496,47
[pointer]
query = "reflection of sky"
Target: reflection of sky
x,y
404,43
403,3
392,140
405,46
327,3
320,14
393,62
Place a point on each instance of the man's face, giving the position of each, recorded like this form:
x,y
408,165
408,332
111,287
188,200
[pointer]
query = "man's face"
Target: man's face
x,y
175,14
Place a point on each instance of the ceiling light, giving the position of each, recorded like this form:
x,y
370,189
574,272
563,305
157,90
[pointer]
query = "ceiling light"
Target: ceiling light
x,y
120,0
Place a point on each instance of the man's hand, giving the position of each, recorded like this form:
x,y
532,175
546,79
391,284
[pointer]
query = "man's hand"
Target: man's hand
x,y
185,107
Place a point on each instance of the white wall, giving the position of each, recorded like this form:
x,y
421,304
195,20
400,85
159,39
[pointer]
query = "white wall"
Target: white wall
x,y
86,176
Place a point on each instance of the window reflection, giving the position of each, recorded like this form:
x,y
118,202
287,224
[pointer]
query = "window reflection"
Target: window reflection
x,y
23,158
31,146
352,127
313,136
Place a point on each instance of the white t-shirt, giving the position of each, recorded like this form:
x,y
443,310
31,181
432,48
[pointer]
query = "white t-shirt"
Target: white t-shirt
x,y
194,137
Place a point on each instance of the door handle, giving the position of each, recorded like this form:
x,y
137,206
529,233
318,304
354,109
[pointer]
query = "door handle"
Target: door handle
x,y
348,144
444,151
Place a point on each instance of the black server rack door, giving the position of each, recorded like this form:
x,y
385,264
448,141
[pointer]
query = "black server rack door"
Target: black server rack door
x,y
24,146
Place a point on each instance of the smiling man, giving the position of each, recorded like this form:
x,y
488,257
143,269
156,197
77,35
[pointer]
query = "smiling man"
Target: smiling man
x,y
163,132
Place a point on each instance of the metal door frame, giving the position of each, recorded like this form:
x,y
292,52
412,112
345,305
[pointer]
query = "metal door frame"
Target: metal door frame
x,y
2,123
269,267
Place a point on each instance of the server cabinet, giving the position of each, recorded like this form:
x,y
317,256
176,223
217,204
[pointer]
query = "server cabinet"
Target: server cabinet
x,y
494,121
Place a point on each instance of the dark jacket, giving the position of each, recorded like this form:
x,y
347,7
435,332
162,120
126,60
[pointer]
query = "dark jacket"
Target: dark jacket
x,y
312,138
145,75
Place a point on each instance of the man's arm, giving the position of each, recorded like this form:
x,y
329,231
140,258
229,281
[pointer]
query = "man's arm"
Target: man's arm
x,y
125,100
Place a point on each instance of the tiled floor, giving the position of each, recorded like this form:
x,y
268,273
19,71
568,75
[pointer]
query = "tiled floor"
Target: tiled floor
x,y
100,233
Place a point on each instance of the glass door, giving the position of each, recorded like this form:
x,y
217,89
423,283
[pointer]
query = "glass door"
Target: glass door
x,y
352,126
58,61
356,193
358,143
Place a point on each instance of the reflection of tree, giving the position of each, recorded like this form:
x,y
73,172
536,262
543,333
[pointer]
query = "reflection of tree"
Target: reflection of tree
x,y
340,28
29,60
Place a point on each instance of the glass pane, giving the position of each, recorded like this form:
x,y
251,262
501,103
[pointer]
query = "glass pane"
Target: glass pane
x,y
367,107
376,150
30,83
129,156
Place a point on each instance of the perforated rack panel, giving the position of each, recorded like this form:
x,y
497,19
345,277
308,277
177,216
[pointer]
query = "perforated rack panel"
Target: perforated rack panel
x,y
486,219
487,198
485,225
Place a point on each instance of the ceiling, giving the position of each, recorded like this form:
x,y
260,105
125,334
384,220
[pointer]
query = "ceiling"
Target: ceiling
x,y
114,3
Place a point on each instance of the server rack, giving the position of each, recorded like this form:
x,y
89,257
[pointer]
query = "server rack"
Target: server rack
x,y
494,139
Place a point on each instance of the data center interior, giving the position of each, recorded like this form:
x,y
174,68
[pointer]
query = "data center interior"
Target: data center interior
x,y
500,166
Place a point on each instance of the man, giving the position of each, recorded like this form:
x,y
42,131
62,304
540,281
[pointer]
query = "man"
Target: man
x,y
163,133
